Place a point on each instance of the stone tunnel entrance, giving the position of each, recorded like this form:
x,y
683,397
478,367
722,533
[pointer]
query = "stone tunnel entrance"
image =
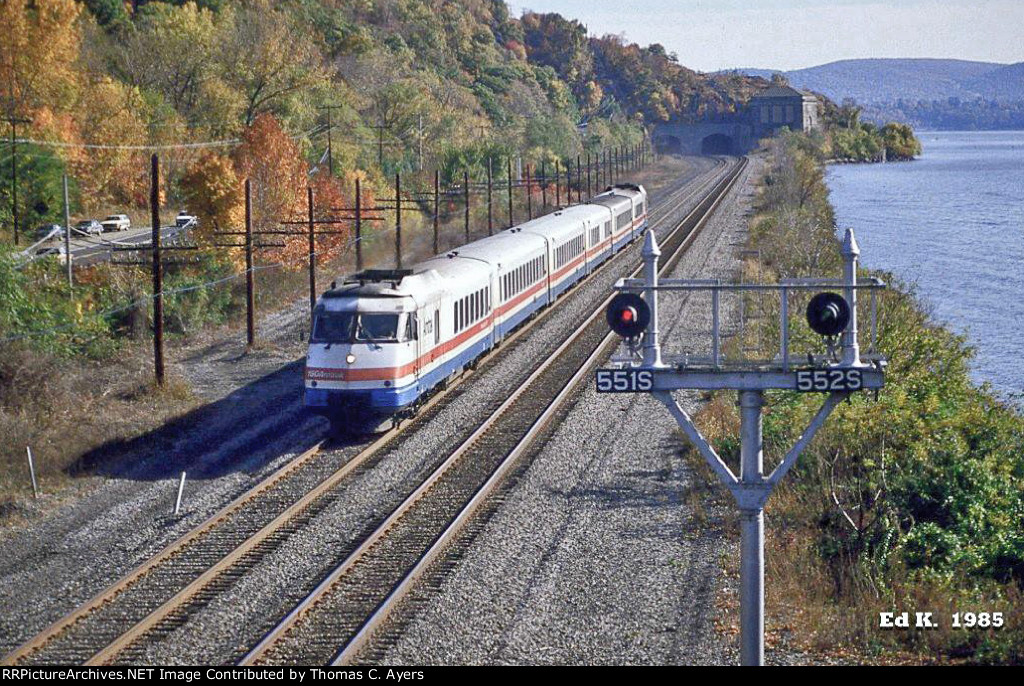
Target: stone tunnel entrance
x,y
668,145
717,144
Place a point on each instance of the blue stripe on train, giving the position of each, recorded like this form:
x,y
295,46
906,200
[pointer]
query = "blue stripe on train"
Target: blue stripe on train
x,y
386,400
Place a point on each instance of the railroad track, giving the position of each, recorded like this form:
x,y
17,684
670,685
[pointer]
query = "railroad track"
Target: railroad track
x,y
162,593
358,597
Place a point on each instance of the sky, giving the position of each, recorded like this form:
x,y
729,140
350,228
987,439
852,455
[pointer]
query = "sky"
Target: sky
x,y
709,35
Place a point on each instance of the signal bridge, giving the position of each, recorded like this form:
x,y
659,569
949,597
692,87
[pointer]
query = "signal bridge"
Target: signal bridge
x,y
839,370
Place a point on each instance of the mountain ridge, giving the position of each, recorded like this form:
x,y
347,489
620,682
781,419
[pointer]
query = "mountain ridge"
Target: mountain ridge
x,y
878,80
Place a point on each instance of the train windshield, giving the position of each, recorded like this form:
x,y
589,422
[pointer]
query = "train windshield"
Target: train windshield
x,y
355,327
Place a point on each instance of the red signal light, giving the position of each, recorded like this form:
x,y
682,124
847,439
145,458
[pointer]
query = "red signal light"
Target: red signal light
x,y
628,315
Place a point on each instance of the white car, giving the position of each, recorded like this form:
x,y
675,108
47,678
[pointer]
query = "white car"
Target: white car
x,y
117,222
184,220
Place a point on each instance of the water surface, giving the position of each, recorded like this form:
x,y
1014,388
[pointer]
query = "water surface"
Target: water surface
x,y
951,222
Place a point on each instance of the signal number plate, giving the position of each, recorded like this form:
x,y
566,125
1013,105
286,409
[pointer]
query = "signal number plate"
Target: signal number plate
x,y
824,380
624,380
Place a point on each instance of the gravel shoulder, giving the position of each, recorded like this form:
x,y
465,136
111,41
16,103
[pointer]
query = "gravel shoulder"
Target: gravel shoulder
x,y
253,424
617,565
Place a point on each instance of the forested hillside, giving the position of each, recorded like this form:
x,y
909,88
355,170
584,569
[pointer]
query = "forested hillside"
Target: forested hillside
x,y
411,84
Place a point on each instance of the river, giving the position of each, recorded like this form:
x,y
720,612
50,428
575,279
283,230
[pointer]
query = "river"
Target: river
x,y
951,222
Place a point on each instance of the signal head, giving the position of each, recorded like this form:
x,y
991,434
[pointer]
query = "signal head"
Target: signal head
x,y
628,315
828,314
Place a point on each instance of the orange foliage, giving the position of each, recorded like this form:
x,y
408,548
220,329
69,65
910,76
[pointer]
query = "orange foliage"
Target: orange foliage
x,y
271,160
214,194
328,196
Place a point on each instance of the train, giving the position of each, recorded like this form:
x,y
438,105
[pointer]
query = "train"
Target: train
x,y
384,340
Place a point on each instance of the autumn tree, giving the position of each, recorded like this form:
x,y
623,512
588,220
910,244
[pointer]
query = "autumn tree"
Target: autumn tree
x,y
41,41
214,194
271,160
267,57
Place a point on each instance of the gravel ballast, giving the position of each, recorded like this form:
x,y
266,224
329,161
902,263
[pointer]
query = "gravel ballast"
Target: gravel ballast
x,y
253,426
595,555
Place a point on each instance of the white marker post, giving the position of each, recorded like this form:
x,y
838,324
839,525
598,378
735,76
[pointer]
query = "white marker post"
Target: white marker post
x,y
32,472
181,489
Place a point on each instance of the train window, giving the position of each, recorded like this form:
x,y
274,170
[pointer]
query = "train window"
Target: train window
x,y
607,229
377,328
622,221
437,326
333,327
410,327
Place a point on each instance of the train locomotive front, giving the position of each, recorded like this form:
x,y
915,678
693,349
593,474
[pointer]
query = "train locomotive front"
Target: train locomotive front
x,y
363,353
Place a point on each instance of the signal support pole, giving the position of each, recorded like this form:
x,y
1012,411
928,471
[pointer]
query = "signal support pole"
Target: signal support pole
x,y
751,532
661,375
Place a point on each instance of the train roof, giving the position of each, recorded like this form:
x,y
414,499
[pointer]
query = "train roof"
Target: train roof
x,y
561,223
507,246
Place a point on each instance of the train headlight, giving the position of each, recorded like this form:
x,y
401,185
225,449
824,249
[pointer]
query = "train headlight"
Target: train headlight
x,y
350,358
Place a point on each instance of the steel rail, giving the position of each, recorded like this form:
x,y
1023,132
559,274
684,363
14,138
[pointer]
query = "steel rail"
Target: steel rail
x,y
356,643
251,544
359,642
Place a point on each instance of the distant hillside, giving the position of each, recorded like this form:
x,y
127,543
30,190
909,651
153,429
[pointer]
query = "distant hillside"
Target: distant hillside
x,y
935,93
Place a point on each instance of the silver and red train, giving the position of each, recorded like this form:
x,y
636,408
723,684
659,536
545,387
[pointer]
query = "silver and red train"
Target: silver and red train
x,y
384,339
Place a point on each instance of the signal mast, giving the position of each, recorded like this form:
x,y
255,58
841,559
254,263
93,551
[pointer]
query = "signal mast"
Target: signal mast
x,y
838,373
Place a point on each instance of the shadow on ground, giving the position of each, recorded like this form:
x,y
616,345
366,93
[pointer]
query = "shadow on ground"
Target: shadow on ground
x,y
218,438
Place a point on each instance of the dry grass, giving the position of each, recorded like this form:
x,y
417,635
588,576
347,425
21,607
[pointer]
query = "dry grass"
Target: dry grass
x,y
66,408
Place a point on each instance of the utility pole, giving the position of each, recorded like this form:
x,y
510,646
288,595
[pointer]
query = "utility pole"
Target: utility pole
x,y
465,188
529,195
511,219
590,187
579,179
558,185
398,220
14,121
158,287
490,204
419,147
437,205
568,183
543,186
67,236
380,142
250,274
312,254
359,228
330,147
